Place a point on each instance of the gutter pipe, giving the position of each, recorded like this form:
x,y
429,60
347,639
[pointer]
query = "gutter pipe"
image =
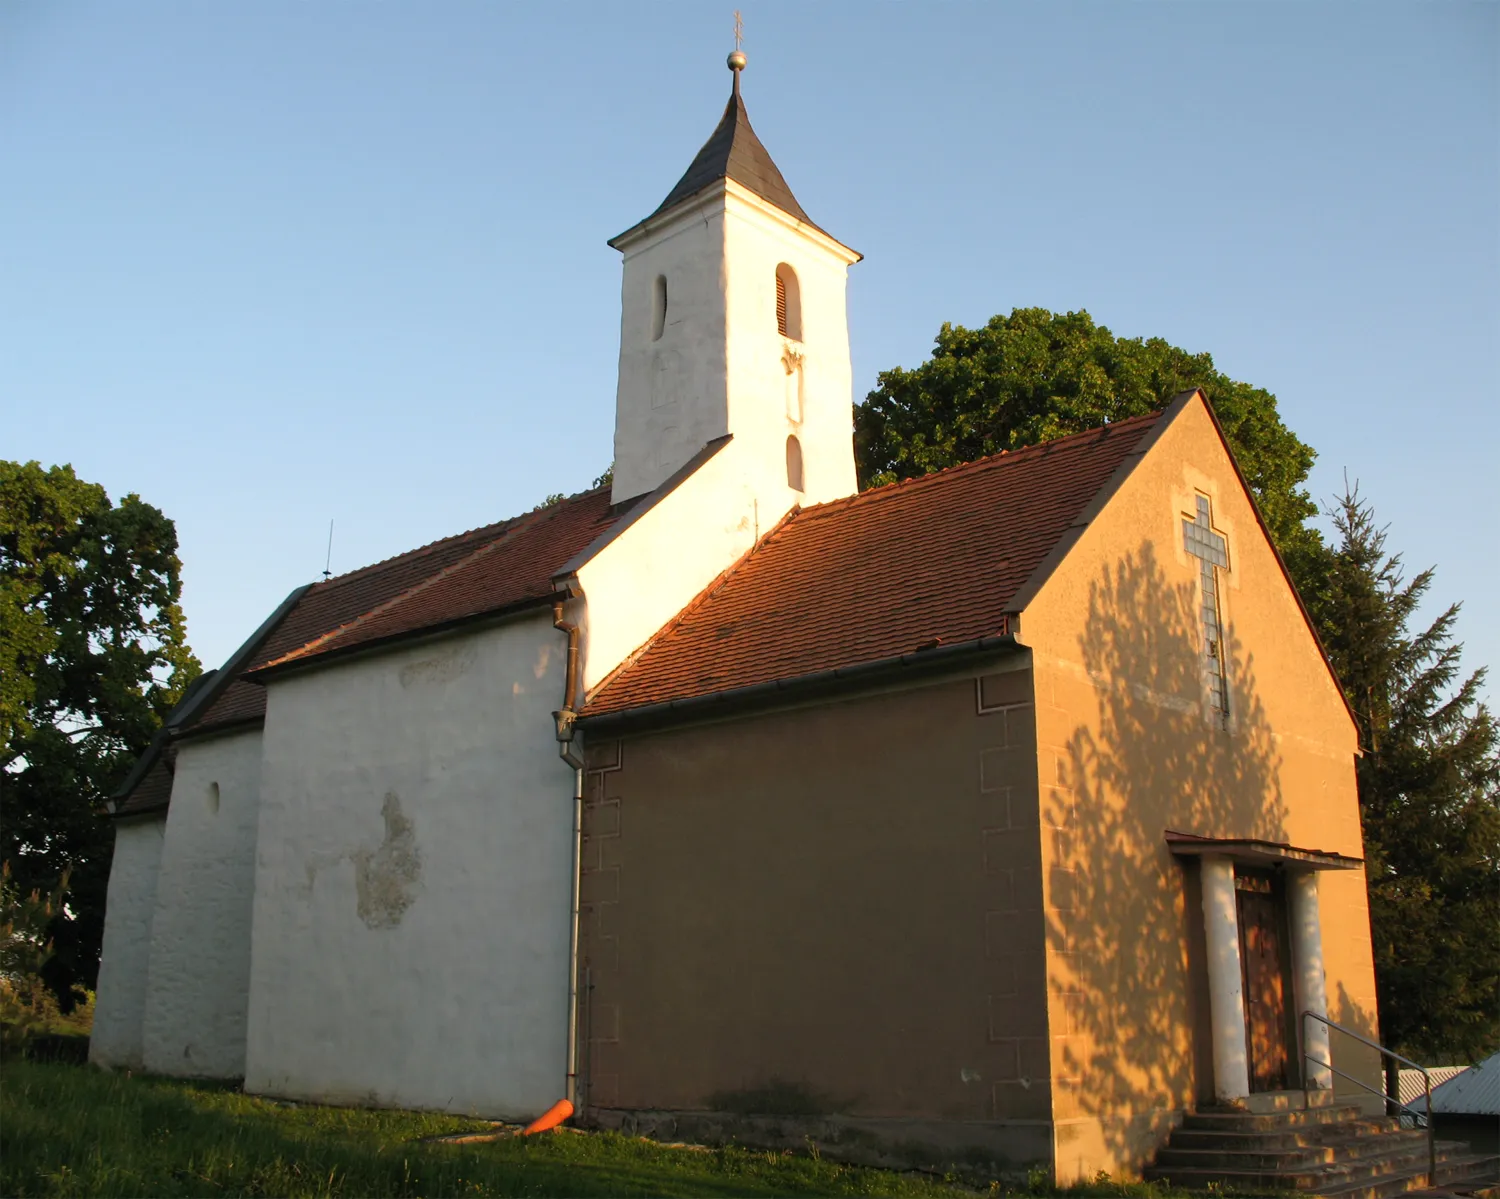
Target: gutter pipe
x,y
565,719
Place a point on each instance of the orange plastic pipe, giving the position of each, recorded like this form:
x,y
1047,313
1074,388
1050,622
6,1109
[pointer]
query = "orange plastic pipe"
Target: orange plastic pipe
x,y
550,1118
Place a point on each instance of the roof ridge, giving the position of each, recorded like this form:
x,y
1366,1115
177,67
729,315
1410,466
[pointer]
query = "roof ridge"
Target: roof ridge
x,y
494,528
698,601
976,464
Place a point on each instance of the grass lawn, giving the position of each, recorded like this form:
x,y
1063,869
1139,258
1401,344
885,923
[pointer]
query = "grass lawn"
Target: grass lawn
x,y
71,1130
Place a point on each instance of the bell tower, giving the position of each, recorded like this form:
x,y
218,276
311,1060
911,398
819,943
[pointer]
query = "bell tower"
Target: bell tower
x,y
734,321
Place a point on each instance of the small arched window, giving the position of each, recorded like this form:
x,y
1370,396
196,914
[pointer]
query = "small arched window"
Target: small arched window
x,y
659,308
788,303
213,798
794,463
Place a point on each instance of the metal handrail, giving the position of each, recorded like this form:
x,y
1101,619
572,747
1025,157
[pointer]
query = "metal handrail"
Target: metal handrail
x,y
1384,1052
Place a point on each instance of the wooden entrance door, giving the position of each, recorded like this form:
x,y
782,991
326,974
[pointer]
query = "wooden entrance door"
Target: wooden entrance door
x,y
1262,943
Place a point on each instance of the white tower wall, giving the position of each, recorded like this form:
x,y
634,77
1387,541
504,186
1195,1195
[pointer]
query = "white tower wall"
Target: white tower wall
x,y
671,398
763,365
720,365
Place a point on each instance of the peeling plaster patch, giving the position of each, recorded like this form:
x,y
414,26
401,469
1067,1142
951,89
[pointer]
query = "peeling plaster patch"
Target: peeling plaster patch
x,y
387,878
968,1075
441,668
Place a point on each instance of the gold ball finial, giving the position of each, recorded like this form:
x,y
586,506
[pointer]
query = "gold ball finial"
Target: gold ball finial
x,y
737,60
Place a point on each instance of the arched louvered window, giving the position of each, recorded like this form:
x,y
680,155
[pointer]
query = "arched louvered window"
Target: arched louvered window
x,y
788,303
794,464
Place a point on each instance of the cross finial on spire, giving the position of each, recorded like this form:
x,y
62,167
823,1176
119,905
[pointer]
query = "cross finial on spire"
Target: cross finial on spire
x,y
737,57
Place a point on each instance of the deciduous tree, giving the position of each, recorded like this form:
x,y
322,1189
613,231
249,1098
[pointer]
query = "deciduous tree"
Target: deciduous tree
x,y
93,654
1035,375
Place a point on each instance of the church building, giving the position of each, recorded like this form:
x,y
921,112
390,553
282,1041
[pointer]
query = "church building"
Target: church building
x,y
1006,810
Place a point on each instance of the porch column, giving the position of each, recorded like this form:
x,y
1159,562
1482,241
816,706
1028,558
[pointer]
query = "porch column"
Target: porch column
x,y
1307,974
1226,1000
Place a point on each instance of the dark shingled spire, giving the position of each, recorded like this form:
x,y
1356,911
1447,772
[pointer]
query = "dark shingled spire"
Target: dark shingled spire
x,y
734,152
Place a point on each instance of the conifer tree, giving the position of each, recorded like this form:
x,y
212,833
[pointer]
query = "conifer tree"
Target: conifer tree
x,y
1429,793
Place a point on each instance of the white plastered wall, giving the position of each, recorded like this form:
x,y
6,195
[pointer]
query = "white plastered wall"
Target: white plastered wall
x,y
410,938
652,570
120,998
197,995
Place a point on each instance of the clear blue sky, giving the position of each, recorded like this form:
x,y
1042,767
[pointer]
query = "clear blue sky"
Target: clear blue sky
x,y
270,264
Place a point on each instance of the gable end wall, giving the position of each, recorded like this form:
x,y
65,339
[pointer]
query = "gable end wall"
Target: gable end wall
x,y
1128,747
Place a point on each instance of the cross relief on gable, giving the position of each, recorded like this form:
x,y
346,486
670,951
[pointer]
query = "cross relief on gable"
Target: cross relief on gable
x,y
1211,548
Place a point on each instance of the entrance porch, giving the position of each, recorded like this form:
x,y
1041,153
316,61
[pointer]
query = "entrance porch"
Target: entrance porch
x,y
1264,953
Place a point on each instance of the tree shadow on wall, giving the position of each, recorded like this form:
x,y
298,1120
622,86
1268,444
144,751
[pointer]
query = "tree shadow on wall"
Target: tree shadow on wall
x,y
1124,920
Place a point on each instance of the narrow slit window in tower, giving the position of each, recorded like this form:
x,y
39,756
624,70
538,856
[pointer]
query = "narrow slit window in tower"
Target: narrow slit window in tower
x,y
659,308
794,463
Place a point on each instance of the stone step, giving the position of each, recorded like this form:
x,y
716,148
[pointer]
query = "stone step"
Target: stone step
x,y
1410,1182
1473,1172
1285,1101
1460,1174
1289,1139
1256,1158
1230,1120
1372,1168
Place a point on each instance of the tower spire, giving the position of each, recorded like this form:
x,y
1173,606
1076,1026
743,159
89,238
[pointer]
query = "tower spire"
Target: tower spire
x,y
734,323
734,152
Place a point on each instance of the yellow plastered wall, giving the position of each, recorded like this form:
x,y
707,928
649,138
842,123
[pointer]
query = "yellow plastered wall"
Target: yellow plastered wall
x,y
1128,747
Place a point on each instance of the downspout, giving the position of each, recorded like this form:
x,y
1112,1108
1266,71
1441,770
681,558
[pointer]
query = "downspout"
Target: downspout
x,y
565,718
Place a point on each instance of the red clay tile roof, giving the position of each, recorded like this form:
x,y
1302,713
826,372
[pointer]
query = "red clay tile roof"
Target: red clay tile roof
x,y
928,561
500,566
510,568
485,570
239,702
154,791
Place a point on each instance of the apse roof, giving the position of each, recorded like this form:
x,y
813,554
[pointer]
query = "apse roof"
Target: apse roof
x,y
152,789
